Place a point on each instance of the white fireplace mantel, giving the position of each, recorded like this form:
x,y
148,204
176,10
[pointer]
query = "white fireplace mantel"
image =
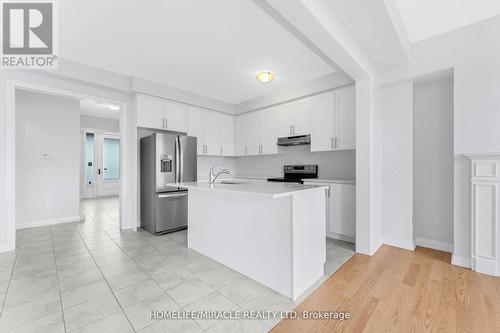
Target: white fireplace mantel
x,y
485,205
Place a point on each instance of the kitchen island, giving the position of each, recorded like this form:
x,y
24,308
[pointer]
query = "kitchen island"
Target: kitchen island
x,y
273,233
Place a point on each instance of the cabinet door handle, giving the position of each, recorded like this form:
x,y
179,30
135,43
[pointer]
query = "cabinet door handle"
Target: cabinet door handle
x,y
245,150
221,150
166,122
293,129
162,122
336,142
331,143
291,133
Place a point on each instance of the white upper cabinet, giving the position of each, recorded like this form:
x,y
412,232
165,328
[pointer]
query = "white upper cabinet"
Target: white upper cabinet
x,y
175,116
150,112
242,134
323,122
161,114
333,120
196,127
345,118
293,118
256,133
301,116
227,135
328,117
268,133
214,131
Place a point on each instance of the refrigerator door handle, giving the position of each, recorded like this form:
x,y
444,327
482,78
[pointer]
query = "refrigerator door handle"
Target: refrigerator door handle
x,y
165,196
177,159
181,161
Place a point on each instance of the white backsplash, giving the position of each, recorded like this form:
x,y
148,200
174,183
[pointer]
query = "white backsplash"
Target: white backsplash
x,y
339,164
206,162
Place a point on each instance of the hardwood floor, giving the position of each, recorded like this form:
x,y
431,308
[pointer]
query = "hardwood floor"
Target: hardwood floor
x,y
398,290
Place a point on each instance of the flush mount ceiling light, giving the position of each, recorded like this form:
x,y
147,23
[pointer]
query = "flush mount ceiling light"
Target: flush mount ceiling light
x,y
265,76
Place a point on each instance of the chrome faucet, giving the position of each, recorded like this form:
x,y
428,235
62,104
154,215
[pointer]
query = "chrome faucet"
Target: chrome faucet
x,y
213,177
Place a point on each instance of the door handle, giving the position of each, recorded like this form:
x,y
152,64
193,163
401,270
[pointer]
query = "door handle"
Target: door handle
x,y
99,171
165,196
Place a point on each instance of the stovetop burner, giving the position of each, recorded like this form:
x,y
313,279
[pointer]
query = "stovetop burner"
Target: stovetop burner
x,y
295,173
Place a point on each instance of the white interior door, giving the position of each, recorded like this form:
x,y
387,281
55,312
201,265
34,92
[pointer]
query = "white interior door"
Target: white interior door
x,y
108,164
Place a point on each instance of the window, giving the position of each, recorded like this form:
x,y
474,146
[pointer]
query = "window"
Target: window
x,y
89,155
111,159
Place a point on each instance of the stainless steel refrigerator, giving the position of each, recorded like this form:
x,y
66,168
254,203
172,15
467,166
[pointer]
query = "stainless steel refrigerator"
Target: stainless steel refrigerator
x,y
165,158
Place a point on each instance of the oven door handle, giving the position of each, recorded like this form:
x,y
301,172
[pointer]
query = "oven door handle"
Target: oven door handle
x,y
173,195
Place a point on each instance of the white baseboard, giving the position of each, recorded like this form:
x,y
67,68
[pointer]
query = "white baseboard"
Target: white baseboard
x,y
49,222
461,261
433,244
342,237
408,245
7,248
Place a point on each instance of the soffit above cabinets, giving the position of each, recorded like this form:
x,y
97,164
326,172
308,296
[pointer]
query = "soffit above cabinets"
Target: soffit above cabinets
x,y
427,18
211,48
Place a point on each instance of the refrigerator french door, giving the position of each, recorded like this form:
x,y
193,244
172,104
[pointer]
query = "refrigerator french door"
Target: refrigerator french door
x,y
164,159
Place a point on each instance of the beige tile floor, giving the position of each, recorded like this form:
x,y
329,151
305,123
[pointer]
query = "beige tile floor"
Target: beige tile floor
x,y
92,277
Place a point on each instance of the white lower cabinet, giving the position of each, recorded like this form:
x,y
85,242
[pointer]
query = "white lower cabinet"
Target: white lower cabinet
x,y
340,210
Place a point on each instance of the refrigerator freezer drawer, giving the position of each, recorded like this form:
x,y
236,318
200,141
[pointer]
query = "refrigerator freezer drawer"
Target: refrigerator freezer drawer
x,y
171,211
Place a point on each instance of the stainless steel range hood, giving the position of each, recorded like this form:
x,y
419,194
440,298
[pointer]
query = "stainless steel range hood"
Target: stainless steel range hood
x,y
298,140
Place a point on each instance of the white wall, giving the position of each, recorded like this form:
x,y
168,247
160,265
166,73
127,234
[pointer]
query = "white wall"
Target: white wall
x,y
474,54
339,164
433,164
397,151
103,124
47,190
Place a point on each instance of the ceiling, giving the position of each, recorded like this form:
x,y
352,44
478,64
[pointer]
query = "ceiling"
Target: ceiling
x,y
427,18
369,23
96,109
211,48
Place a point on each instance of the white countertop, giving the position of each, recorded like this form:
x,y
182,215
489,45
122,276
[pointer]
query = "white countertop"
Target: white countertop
x,y
274,190
330,181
